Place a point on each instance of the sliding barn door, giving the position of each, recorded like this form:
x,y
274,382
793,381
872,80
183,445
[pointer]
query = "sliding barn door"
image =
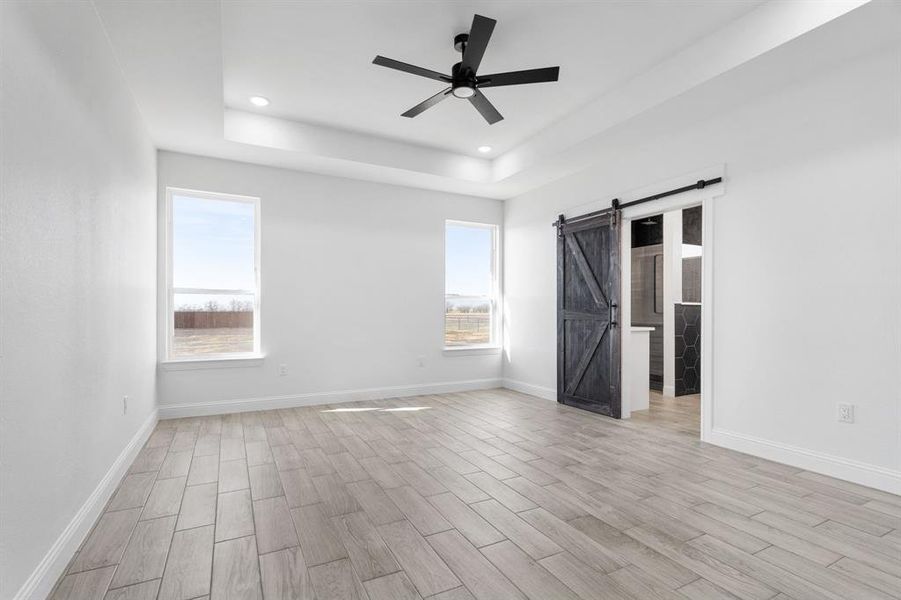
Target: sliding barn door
x,y
588,335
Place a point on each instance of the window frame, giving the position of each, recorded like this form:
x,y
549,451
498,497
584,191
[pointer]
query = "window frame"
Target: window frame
x,y
168,318
494,298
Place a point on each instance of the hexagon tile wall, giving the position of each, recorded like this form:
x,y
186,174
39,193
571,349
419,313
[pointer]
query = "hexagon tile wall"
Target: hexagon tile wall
x,y
688,348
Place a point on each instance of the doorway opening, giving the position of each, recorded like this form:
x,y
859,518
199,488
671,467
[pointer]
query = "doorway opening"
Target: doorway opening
x,y
666,273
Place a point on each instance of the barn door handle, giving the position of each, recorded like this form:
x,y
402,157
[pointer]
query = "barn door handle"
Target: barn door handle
x,y
613,314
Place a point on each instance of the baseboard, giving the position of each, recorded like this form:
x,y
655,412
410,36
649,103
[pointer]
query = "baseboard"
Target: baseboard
x,y
872,476
201,409
530,388
669,391
41,581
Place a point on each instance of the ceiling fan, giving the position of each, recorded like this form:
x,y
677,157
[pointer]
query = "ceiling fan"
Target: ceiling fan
x,y
464,80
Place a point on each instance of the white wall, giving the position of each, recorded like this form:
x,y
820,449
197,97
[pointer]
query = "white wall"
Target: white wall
x,y
672,294
77,279
352,290
807,268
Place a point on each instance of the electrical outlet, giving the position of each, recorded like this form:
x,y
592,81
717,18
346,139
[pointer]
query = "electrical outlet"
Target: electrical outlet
x,y
845,413
282,370
124,405
421,361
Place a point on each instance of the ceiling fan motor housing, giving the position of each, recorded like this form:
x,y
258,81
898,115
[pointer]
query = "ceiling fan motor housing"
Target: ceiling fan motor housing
x,y
463,81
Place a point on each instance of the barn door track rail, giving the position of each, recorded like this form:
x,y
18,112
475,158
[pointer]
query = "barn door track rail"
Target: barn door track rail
x,y
615,204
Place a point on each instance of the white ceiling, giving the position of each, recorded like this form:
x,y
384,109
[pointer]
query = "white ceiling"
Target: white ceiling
x,y
313,60
192,65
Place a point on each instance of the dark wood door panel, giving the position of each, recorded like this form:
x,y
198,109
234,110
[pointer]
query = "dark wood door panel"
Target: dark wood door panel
x,y
588,336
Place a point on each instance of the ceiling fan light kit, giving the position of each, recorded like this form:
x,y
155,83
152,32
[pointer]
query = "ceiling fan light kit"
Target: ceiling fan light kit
x,y
465,83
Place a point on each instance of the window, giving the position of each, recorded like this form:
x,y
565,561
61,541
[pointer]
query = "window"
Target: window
x,y
470,290
213,299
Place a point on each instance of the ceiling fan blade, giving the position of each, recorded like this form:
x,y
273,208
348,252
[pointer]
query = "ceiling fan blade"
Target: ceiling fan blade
x,y
519,77
479,34
406,68
485,108
427,104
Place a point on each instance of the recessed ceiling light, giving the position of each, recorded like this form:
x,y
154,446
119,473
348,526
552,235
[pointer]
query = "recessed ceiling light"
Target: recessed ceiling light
x,y
259,101
484,149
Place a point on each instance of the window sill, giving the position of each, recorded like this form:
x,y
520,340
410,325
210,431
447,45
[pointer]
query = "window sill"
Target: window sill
x,y
254,360
471,350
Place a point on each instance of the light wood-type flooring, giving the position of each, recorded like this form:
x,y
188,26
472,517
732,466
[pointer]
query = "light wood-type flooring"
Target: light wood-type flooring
x,y
489,495
674,414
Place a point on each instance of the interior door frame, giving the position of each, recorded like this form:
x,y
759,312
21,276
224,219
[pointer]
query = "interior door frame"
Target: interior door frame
x,y
704,198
